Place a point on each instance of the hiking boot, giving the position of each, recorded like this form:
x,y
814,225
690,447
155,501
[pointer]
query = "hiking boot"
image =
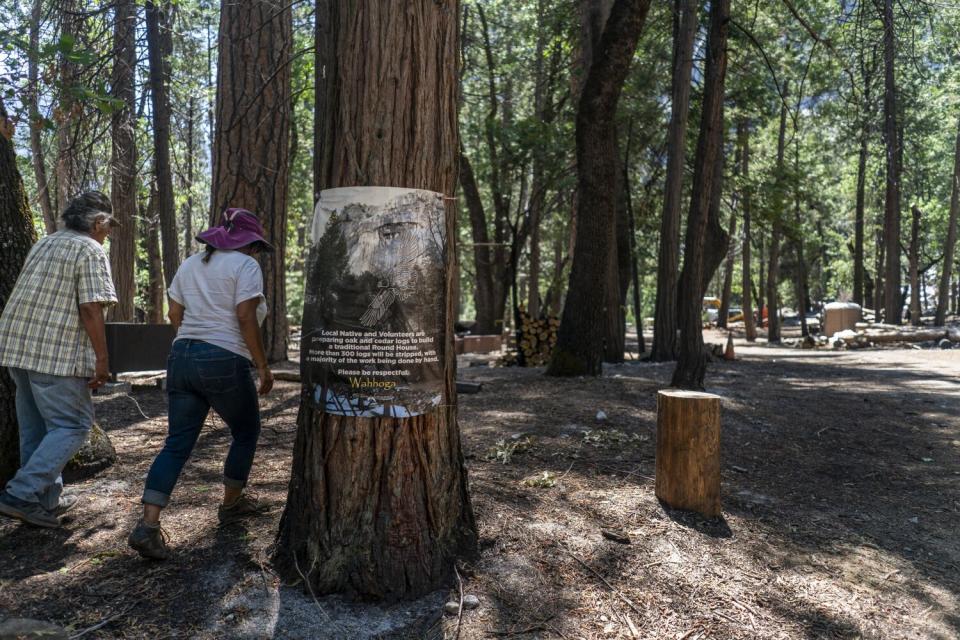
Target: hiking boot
x,y
245,505
149,542
67,501
29,512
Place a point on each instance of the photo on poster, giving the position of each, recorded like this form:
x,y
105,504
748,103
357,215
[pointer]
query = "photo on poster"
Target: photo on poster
x,y
375,302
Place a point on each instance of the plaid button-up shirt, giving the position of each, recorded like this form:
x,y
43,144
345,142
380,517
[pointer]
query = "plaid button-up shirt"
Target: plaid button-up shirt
x,y
40,329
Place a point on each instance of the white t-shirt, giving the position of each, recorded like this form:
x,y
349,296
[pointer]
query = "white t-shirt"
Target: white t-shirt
x,y
210,293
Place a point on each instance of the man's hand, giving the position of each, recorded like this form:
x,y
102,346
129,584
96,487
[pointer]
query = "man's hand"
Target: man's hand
x,y
101,375
266,379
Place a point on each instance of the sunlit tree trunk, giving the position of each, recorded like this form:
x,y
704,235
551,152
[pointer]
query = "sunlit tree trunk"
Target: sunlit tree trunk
x,y
579,348
379,508
949,247
251,141
668,259
700,238
123,162
160,48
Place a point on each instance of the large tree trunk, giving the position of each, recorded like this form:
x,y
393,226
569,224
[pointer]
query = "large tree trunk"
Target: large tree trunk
x,y
123,162
36,146
708,170
160,48
19,236
668,259
749,327
773,268
150,233
379,507
251,143
858,256
70,115
915,285
891,219
728,274
484,293
579,348
943,292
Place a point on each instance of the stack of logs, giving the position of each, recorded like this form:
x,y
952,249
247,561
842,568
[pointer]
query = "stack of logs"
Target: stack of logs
x,y
536,338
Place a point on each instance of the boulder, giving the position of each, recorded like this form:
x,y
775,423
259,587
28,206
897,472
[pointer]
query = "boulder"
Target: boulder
x,y
27,629
94,456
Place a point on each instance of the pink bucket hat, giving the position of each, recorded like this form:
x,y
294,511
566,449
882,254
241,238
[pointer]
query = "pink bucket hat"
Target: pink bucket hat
x,y
238,228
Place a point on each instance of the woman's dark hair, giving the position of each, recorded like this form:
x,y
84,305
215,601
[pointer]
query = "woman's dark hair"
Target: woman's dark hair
x,y
82,212
209,250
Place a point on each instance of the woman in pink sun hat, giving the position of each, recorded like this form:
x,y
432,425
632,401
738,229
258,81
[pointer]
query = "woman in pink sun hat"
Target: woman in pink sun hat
x,y
217,305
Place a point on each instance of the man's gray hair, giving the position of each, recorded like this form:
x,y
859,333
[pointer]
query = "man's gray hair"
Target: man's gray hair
x,y
83,211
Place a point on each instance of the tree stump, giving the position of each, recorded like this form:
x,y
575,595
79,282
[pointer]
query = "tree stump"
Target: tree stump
x,y
688,451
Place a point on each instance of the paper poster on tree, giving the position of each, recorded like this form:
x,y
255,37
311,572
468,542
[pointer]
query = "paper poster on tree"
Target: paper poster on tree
x,y
373,311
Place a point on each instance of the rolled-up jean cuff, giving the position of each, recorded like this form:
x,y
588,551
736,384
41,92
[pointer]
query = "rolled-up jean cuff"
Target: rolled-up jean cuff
x,y
150,496
234,484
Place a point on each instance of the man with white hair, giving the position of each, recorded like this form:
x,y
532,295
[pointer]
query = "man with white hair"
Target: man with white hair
x,y
52,341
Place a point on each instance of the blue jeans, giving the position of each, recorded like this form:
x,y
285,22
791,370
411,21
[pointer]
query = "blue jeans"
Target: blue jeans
x,y
201,376
55,414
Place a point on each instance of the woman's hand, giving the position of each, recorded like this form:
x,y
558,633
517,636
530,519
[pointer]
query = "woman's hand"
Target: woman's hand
x,y
266,380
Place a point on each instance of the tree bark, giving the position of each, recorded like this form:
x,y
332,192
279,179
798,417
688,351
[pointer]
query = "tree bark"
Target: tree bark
x,y
858,256
749,327
69,116
773,267
251,142
379,508
915,311
891,218
664,346
943,293
728,275
123,191
879,291
19,236
160,48
150,232
708,169
188,182
579,348
36,145
484,293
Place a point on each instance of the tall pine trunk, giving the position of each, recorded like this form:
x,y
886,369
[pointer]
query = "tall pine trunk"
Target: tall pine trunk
x,y
123,164
776,233
668,259
858,255
943,292
579,348
251,141
700,238
160,48
914,259
484,292
19,236
36,146
891,131
746,198
379,508
70,116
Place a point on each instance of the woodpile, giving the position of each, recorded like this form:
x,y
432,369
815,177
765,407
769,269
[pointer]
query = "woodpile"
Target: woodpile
x,y
536,338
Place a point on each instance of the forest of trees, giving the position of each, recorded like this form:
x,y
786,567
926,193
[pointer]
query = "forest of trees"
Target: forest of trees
x,y
611,161
775,155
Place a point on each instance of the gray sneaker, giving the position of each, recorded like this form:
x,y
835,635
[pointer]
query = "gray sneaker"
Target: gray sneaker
x,y
67,501
149,542
29,512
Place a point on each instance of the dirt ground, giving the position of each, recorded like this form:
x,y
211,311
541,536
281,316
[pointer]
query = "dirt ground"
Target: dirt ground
x,y
841,495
